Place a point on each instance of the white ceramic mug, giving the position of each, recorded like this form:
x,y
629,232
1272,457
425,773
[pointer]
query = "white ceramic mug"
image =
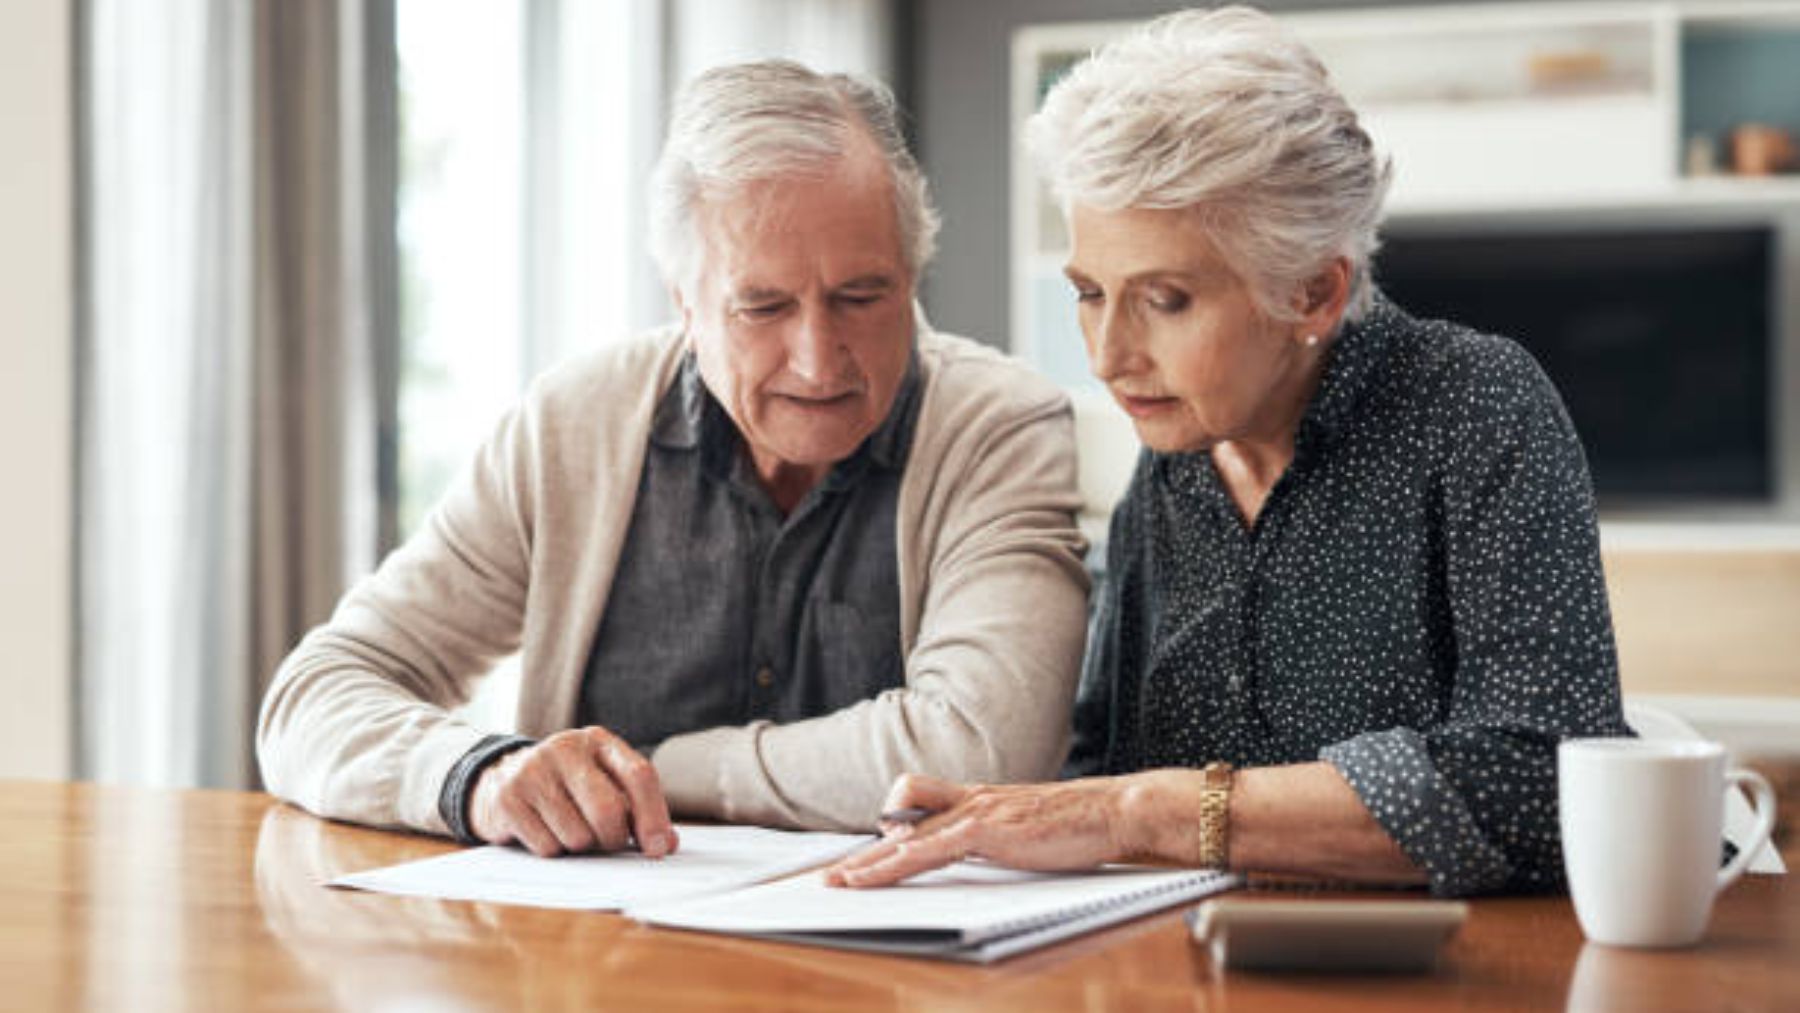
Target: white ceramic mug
x,y
1642,834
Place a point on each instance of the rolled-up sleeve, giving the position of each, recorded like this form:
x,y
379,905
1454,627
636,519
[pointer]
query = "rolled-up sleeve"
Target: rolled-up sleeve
x,y
1472,798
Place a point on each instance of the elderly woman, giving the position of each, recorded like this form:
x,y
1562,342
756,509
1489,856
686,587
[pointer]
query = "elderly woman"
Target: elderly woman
x,y
1353,594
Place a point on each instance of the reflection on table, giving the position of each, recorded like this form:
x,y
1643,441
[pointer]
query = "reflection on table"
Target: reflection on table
x,y
136,899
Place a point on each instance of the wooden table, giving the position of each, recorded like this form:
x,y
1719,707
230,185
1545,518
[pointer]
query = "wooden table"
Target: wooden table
x,y
137,899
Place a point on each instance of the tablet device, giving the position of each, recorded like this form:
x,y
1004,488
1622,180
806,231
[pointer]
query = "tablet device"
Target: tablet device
x,y
1325,935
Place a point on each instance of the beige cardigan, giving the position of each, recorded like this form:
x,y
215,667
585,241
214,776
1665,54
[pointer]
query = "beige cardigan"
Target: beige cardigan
x,y
520,554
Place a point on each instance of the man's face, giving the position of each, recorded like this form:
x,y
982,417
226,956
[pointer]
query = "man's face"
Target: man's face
x,y
800,313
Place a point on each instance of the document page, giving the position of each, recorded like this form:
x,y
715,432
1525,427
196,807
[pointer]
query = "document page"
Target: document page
x,y
710,859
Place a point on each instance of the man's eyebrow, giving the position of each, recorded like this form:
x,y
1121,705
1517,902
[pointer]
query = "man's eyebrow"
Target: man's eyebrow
x,y
869,281
757,294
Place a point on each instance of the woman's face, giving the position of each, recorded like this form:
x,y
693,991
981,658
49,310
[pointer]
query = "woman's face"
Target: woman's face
x,y
1176,336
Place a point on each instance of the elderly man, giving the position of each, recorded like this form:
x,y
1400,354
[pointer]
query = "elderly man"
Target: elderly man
x,y
787,550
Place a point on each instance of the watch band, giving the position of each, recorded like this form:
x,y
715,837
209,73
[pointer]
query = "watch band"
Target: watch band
x,y
1215,810
459,786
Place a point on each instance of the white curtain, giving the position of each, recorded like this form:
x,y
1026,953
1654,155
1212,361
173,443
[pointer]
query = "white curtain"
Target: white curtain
x,y
851,36
165,485
593,119
231,378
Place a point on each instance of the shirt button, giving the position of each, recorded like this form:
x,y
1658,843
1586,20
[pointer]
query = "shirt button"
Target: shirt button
x,y
764,677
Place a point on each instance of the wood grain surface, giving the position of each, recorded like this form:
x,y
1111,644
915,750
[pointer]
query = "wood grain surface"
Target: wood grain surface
x,y
117,898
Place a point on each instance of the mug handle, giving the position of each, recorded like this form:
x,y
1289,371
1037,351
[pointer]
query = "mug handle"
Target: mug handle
x,y
1764,804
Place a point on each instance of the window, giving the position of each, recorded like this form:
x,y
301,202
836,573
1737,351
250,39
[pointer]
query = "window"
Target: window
x,y
527,132
461,270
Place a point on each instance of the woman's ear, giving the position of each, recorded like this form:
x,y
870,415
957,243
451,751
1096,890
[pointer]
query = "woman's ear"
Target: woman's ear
x,y
1323,299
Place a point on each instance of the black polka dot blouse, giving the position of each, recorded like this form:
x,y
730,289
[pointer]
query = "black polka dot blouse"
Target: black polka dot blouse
x,y
1419,603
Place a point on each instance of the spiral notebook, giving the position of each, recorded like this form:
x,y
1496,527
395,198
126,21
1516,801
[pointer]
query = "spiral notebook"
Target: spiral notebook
x,y
971,911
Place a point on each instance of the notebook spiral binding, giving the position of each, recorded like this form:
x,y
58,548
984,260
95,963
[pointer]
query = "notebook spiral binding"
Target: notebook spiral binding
x,y
1001,930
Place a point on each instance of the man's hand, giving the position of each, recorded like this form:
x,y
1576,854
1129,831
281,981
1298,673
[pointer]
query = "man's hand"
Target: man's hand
x,y
578,790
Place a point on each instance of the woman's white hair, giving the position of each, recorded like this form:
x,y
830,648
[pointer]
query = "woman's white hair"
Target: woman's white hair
x,y
746,123
1225,112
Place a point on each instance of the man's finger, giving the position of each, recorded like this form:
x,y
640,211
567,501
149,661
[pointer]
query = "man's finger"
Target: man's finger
x,y
601,802
563,817
650,822
528,828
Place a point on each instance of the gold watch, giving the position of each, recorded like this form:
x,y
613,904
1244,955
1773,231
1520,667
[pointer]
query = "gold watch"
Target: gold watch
x,y
1215,806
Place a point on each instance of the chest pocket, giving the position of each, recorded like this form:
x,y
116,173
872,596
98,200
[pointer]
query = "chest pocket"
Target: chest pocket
x,y
858,654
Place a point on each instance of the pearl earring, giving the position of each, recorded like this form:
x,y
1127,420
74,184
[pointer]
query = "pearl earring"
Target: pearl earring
x,y
1312,340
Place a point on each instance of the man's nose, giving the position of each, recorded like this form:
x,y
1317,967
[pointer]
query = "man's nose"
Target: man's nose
x,y
813,346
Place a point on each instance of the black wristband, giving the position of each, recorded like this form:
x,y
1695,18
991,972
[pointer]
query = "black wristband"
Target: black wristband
x,y
459,784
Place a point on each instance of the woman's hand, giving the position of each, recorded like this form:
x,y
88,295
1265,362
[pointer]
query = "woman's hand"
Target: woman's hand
x,y
1058,826
1302,820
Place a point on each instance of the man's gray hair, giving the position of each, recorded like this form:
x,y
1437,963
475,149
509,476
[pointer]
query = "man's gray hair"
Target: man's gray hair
x,y
1225,112
751,122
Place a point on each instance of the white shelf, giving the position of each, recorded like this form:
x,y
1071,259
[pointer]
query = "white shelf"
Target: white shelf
x,y
1695,193
1699,535
1705,15
1581,148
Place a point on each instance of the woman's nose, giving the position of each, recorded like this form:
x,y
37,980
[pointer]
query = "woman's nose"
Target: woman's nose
x,y
1111,344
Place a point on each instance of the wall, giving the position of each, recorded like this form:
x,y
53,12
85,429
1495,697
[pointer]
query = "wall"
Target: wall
x,y
36,360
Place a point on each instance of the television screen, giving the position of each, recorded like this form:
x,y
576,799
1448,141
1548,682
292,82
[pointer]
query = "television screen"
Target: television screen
x,y
1659,341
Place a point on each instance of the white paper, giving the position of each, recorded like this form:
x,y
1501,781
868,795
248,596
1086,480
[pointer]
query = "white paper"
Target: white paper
x,y
710,858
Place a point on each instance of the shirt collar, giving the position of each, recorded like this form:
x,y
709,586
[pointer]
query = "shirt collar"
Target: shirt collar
x,y
681,414
1354,365
888,444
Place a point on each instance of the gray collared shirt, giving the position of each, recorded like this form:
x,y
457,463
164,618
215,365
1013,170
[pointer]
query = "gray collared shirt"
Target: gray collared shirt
x,y
724,612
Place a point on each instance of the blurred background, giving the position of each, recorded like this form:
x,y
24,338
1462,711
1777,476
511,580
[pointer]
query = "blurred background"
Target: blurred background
x,y
272,268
